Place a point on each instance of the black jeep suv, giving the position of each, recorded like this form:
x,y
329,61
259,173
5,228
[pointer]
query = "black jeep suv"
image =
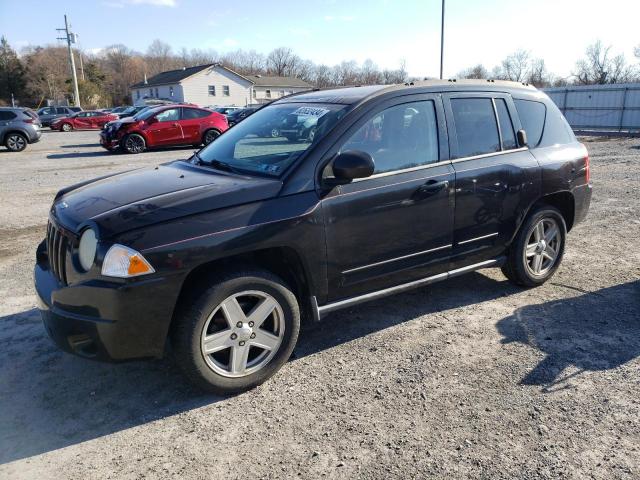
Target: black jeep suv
x,y
222,254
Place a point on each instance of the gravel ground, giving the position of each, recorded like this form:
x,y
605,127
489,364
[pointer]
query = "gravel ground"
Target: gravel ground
x,y
470,378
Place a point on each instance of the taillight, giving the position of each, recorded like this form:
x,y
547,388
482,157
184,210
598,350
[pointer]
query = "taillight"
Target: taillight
x,y
28,120
587,170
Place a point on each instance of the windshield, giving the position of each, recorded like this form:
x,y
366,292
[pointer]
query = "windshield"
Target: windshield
x,y
145,113
274,137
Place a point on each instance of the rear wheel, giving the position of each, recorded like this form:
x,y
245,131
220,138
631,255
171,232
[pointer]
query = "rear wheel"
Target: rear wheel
x,y
134,143
238,332
210,135
538,248
66,127
16,142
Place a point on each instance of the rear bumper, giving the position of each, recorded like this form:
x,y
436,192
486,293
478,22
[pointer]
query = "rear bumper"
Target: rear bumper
x,y
35,136
582,198
105,320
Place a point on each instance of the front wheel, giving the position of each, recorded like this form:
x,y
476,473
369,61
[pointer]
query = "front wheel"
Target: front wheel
x,y
538,248
134,143
66,127
237,333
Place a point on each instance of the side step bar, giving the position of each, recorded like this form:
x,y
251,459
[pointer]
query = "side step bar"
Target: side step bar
x,y
320,311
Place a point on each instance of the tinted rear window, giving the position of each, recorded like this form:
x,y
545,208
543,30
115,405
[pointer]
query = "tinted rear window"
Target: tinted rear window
x,y
193,113
476,126
506,127
532,115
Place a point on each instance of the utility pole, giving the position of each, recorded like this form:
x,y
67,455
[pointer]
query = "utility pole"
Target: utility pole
x,y
442,41
71,38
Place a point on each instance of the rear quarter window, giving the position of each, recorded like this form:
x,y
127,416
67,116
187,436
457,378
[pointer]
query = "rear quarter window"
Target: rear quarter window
x,y
7,115
532,116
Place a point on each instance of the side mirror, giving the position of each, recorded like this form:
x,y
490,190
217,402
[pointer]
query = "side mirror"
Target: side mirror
x,y
522,138
152,120
352,164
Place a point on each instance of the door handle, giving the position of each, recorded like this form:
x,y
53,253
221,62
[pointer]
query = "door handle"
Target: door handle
x,y
433,186
175,124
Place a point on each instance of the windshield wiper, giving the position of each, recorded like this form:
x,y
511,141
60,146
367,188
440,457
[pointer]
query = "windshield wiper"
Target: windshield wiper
x,y
220,165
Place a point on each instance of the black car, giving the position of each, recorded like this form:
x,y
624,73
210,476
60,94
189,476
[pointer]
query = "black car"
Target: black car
x,y
49,114
239,115
223,254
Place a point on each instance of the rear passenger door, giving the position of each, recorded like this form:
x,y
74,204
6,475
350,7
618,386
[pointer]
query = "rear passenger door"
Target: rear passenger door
x,y
496,179
191,123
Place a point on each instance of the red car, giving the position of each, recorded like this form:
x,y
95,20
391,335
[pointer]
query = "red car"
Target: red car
x,y
164,126
86,120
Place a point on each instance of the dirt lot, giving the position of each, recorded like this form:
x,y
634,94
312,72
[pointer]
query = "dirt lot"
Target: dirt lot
x,y
471,378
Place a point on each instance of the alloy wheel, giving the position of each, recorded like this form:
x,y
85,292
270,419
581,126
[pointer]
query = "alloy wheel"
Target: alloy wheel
x,y
543,247
275,133
242,334
210,136
16,143
66,127
135,144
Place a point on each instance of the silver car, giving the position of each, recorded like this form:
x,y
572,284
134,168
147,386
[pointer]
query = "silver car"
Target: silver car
x,y
18,128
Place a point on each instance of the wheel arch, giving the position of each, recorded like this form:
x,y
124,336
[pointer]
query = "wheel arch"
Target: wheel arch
x,y
14,130
283,261
564,201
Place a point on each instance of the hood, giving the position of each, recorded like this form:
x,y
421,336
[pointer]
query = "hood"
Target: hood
x,y
142,197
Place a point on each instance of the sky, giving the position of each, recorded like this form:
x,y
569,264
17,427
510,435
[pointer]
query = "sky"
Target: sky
x,y
330,31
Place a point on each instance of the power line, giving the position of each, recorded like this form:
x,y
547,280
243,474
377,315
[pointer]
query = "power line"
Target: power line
x,y
71,38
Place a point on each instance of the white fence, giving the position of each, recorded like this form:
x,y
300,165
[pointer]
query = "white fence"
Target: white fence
x,y
599,107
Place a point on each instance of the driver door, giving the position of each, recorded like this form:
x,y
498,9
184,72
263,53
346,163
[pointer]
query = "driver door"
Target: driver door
x,y
166,129
397,225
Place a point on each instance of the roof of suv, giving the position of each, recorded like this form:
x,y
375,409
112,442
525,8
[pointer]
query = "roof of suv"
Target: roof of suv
x,y
351,95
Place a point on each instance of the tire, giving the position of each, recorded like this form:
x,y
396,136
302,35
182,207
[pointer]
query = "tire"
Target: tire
x,y
134,143
210,135
15,142
203,316
536,254
66,127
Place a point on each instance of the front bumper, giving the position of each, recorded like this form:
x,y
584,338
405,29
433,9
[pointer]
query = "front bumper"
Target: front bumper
x,y
105,320
107,142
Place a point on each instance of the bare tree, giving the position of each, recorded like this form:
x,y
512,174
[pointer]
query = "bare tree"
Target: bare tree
x,y
516,66
538,74
160,58
598,67
477,71
280,61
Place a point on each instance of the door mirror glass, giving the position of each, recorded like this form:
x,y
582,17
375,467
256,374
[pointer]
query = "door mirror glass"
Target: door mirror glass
x,y
522,138
352,164
152,120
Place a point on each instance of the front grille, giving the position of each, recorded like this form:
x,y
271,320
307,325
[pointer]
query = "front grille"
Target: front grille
x,y
57,247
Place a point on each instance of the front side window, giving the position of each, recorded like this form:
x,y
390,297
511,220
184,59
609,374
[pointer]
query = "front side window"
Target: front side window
x,y
251,146
506,126
63,111
7,115
402,136
225,90
476,127
170,115
532,115
212,90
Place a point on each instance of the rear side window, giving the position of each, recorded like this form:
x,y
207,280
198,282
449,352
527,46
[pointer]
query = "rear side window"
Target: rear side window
x,y
532,115
7,115
193,113
403,136
62,110
476,127
506,126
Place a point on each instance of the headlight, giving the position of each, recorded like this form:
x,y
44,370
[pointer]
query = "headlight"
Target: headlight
x,y
124,262
87,249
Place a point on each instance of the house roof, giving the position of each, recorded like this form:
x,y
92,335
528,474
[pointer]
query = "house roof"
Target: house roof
x,y
171,76
264,81
176,76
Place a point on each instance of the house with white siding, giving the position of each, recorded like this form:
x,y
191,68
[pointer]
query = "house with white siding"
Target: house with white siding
x,y
214,84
